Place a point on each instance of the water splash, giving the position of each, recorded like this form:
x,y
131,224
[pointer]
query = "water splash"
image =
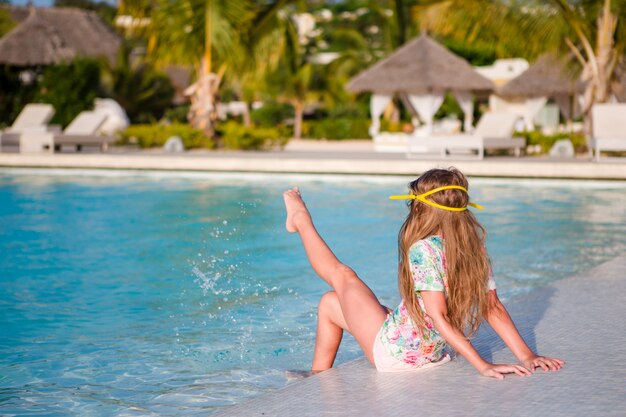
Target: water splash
x,y
208,283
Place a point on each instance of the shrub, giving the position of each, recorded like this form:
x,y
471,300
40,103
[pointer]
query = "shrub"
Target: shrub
x,y
236,136
271,114
70,88
155,135
389,126
350,110
177,114
546,142
14,94
336,128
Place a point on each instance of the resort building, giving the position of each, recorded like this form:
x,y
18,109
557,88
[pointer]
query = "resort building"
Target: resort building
x,y
503,70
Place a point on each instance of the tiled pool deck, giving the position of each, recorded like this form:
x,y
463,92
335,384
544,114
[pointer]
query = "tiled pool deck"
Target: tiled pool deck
x,y
581,319
351,157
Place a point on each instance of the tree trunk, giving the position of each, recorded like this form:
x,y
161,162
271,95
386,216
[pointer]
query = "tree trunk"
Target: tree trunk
x,y
298,117
605,51
588,100
247,122
202,106
202,112
600,67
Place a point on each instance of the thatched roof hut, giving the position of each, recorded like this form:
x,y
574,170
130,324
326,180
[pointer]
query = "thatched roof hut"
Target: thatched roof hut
x,y
420,72
420,66
53,35
547,77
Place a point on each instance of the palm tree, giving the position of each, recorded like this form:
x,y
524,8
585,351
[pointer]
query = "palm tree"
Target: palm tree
x,y
354,55
292,79
211,35
299,78
590,30
143,92
597,41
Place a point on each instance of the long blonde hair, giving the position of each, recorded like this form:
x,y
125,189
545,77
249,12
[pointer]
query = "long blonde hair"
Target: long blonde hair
x,y
467,264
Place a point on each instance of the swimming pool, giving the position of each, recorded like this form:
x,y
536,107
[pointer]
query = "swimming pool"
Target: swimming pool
x,y
180,294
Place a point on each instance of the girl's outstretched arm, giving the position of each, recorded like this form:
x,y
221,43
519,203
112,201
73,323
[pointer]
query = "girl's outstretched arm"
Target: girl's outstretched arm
x,y
435,305
501,322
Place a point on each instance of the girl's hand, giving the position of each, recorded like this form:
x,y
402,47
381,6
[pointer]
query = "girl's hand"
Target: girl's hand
x,y
543,362
499,371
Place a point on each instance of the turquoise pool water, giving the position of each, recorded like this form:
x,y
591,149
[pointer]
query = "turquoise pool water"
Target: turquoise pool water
x,y
180,294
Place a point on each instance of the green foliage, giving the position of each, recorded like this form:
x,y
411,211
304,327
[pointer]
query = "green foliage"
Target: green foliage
x,y
271,114
177,114
546,142
178,28
506,29
70,88
155,135
6,23
476,54
236,136
355,110
142,91
449,107
105,10
389,126
13,95
336,128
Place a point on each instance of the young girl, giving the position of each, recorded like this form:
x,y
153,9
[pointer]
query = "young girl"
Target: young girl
x,y
444,279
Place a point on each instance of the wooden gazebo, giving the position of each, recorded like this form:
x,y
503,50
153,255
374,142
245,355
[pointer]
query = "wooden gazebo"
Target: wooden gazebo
x,y
421,71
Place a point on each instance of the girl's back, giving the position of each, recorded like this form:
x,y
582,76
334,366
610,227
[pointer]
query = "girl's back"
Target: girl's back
x,y
444,280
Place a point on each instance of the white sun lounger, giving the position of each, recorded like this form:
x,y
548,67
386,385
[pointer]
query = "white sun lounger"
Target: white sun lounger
x,y
82,131
609,128
33,118
494,131
445,146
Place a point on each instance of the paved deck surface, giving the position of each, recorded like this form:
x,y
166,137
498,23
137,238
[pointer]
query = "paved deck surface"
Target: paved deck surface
x,y
580,319
350,157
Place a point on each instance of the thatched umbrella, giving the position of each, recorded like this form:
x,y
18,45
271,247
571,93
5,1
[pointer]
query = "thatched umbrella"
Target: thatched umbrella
x,y
54,35
420,66
548,77
423,71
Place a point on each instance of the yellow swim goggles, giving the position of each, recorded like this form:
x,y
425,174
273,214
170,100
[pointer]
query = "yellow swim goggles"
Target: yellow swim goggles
x,y
422,198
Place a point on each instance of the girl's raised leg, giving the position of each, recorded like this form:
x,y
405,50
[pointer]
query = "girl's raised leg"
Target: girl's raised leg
x,y
362,312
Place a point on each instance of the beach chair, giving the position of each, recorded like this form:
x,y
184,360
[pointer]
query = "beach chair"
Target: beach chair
x,y
445,146
493,131
34,119
609,128
496,129
83,131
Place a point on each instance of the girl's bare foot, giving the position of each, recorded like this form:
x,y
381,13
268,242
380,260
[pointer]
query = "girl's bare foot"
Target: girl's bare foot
x,y
291,375
296,209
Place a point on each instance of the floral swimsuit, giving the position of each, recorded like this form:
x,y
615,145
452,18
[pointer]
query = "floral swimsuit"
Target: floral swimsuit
x,y
398,333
